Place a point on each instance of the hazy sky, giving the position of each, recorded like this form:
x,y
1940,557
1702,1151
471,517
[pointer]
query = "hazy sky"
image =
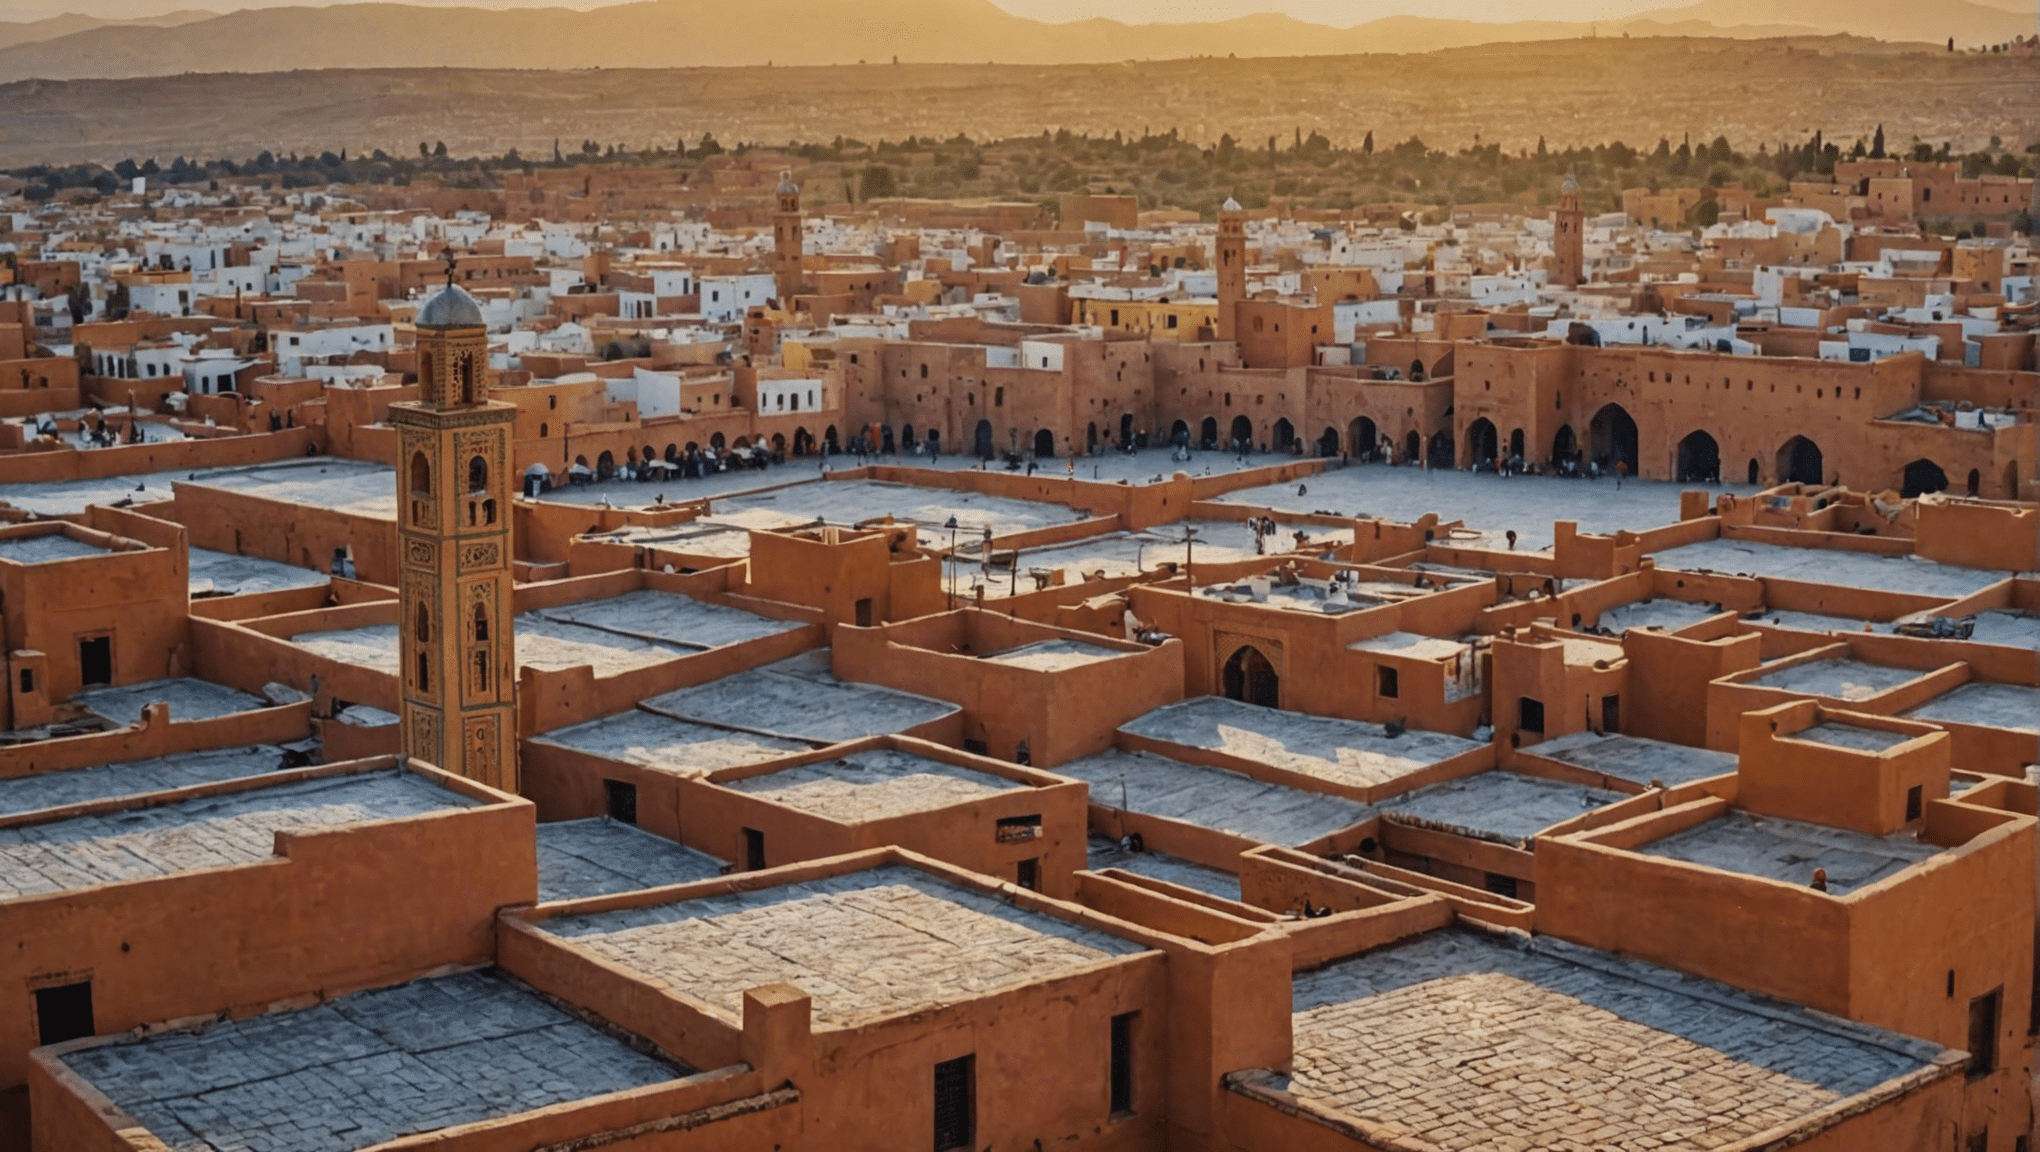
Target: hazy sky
x,y
1341,13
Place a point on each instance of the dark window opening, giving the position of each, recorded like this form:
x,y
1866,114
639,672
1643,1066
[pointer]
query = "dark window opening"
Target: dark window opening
x,y
977,746
864,612
1012,829
1979,1140
622,797
1387,682
1913,803
64,1012
1501,885
1122,1062
1611,713
424,672
95,660
28,679
1028,875
1530,715
754,850
1983,1032
955,1119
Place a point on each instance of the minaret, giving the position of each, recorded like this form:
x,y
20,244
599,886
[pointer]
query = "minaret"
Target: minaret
x,y
453,515
1232,265
788,240
1568,238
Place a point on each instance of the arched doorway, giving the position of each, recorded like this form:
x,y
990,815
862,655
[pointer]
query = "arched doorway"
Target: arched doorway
x,y
1044,444
1611,439
1922,477
1179,434
907,440
1440,456
1413,448
1249,677
983,442
1207,433
1482,442
673,451
1091,436
1754,472
803,442
885,440
1563,448
779,443
1284,435
1799,462
1364,438
605,466
715,441
1699,459
1126,430
829,438
1328,442
1242,438
1516,443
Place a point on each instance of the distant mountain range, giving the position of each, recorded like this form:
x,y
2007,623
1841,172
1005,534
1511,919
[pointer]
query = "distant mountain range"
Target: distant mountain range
x,y
687,33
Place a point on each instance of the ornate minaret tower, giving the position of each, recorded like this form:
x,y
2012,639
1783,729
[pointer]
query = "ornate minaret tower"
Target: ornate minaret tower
x,y
453,517
1568,238
1232,265
788,239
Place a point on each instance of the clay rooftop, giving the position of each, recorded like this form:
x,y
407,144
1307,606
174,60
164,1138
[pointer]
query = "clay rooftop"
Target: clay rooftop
x,y
354,487
1634,758
364,1069
225,574
650,740
1837,679
582,858
1456,1040
872,785
70,497
1212,797
865,945
1789,850
1505,807
212,832
1908,574
1347,752
2011,706
1054,655
850,502
1835,734
188,699
799,699
182,770
1661,613
1105,852
46,548
1120,554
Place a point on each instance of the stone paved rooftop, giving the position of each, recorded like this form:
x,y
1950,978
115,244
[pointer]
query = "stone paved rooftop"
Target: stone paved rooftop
x,y
1458,1041
667,618
1838,735
2011,628
225,574
1212,798
1053,655
1505,807
59,789
872,785
1838,679
370,646
551,645
1790,850
364,1069
1662,613
580,858
1345,752
354,487
800,699
45,548
654,741
1908,574
1106,852
189,699
849,502
1996,705
1635,759
864,945
1815,621
215,832
70,497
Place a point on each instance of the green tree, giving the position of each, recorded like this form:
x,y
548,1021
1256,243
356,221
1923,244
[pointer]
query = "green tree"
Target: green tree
x,y
876,182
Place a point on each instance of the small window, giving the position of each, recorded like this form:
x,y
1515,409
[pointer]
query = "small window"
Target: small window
x,y
1530,714
1501,885
1387,682
1611,713
1028,875
622,798
754,850
1018,829
1122,1063
1979,1140
95,660
64,1012
1983,1033
28,679
863,612
955,1103
977,746
1913,802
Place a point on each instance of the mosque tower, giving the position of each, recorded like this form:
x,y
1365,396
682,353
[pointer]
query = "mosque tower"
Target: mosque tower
x,y
1568,239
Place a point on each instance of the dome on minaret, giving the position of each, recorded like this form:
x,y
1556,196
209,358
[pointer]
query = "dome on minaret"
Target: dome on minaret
x,y
1571,187
786,185
1230,205
450,307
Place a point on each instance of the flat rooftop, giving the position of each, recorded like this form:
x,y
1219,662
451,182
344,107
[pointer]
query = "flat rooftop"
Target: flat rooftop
x,y
1659,612
354,487
80,785
1853,736
800,699
872,785
666,618
1105,852
1347,752
865,945
1119,554
1790,850
1054,655
1505,807
2008,627
70,497
225,574
45,548
1908,574
2011,706
581,858
1634,758
214,832
1453,1038
189,699
850,502
650,740
1838,679
364,1069
1212,797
